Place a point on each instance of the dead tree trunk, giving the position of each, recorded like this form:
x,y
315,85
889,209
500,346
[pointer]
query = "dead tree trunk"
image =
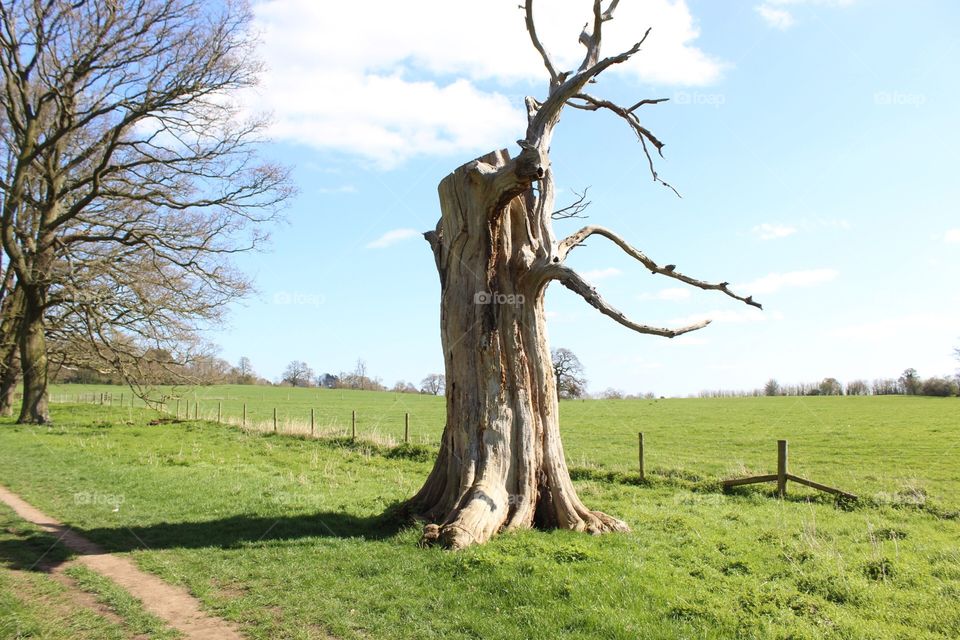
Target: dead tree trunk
x,y
501,463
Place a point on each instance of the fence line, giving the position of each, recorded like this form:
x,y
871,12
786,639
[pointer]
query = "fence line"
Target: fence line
x,y
308,427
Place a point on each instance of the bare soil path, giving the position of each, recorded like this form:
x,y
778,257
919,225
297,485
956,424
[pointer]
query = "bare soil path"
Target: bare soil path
x,y
172,604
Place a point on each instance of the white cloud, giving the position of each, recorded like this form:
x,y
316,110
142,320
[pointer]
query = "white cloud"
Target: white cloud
x,y
774,282
344,188
767,231
596,275
775,14
392,238
777,18
749,315
896,327
673,294
952,236
437,78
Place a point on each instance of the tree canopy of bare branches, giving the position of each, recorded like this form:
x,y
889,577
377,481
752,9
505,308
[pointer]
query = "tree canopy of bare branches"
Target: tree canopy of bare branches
x,y
131,176
568,372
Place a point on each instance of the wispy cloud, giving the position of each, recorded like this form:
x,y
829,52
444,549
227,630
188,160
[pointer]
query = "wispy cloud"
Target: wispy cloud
x,y
392,238
672,294
344,188
595,275
768,231
726,316
777,14
897,326
777,18
773,282
776,230
952,236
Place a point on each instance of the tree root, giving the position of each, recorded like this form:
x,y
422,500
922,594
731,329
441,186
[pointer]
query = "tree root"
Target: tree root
x,y
456,536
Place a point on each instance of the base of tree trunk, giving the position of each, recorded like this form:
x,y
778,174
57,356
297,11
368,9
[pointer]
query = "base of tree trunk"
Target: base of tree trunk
x,y
456,537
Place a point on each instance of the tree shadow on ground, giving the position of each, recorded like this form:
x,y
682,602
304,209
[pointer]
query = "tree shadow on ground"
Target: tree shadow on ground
x,y
42,551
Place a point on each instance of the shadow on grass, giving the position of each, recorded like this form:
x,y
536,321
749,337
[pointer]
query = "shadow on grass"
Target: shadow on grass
x,y
42,552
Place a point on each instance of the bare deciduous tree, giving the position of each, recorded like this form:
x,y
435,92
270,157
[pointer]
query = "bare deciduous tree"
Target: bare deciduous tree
x,y
118,130
433,384
360,373
568,372
910,382
244,371
501,464
611,393
298,374
771,388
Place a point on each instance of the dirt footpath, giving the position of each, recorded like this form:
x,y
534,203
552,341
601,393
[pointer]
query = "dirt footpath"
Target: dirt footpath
x,y
172,604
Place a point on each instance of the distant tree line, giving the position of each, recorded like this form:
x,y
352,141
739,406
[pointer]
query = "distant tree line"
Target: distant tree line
x,y
910,383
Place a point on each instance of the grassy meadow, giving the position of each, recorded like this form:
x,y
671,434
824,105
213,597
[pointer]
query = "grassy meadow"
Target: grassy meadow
x,y
284,535
860,444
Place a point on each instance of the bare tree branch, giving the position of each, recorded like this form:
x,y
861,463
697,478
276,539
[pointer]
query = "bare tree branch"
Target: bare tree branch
x,y
575,282
574,209
574,240
643,134
555,79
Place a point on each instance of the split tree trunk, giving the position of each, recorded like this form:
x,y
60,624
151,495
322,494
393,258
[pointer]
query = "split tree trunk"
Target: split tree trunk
x,y
501,463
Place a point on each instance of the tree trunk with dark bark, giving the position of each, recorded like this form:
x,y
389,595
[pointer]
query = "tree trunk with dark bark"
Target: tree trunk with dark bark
x,y
33,358
12,312
8,382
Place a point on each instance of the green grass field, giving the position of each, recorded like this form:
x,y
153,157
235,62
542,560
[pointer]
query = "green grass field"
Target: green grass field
x,y
283,534
866,445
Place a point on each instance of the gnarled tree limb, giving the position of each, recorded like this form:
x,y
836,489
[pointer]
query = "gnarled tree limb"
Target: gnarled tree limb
x,y
575,282
555,78
574,240
590,103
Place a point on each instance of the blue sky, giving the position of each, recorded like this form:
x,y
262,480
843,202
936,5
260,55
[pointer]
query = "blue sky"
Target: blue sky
x,y
814,141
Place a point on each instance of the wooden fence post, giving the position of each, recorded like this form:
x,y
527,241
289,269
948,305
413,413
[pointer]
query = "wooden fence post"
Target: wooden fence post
x,y
311,423
781,468
274,419
196,410
406,428
219,411
178,408
243,421
640,452
353,425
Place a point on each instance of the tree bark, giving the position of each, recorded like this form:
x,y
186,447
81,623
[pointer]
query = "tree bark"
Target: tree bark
x,y
9,375
33,358
12,312
501,464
